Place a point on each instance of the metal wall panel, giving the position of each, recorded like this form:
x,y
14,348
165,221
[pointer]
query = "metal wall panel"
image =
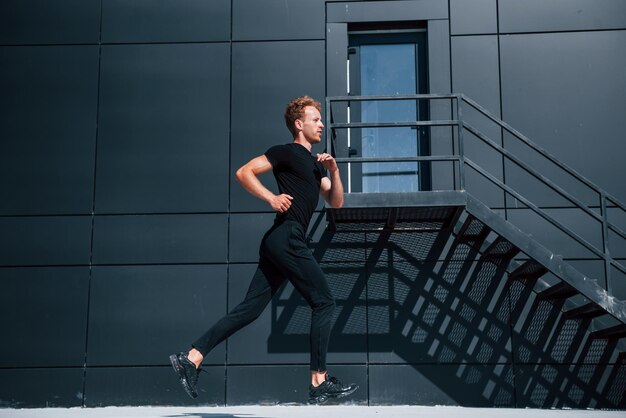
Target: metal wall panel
x,y
48,110
150,386
41,388
163,130
336,59
445,312
266,76
240,349
380,11
471,385
141,239
552,238
165,21
473,17
337,85
439,80
561,15
37,241
44,316
24,22
295,19
565,91
134,320
257,384
565,386
542,336
245,234
349,339
476,73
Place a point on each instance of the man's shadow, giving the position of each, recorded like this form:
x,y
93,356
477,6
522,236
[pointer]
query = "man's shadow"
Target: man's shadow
x,y
430,298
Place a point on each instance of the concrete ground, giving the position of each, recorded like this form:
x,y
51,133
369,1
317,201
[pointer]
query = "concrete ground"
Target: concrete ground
x,y
304,412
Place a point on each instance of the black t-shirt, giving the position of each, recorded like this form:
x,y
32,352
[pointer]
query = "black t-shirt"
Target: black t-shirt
x,y
299,175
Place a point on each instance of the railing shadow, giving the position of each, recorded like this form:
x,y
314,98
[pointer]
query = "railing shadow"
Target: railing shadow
x,y
428,298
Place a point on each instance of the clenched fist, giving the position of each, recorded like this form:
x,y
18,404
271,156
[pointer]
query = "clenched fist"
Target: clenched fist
x,y
281,203
328,161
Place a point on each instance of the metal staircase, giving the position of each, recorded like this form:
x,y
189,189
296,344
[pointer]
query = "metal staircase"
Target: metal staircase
x,y
485,229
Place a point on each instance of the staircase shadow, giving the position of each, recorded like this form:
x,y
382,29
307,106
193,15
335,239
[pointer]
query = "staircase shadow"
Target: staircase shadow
x,y
429,301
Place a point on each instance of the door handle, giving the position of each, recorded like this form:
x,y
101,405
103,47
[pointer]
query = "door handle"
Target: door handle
x,y
351,152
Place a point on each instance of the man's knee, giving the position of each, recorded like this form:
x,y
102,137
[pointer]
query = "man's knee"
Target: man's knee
x,y
326,306
248,312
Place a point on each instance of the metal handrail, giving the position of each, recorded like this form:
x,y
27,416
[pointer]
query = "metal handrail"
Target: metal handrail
x,y
543,179
398,159
357,125
462,159
391,97
542,151
545,215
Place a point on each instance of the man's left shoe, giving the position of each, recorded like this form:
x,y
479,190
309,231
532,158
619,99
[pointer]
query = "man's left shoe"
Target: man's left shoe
x,y
330,388
187,373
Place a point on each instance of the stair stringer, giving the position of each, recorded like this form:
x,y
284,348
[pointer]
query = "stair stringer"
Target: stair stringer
x,y
554,263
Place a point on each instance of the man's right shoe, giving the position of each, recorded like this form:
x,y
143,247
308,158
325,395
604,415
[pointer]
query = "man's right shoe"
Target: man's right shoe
x,y
187,373
330,388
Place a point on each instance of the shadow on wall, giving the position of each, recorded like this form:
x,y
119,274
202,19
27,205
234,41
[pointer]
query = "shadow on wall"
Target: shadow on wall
x,y
426,298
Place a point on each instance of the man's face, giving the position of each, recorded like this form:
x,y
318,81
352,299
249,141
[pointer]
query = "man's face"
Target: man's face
x,y
312,125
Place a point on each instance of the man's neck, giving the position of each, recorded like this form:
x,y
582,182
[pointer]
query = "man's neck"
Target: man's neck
x,y
302,141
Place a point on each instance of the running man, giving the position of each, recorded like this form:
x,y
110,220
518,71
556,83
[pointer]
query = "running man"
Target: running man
x,y
283,253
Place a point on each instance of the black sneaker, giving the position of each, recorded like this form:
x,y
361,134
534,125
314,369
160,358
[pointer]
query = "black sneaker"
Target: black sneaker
x,y
330,388
187,372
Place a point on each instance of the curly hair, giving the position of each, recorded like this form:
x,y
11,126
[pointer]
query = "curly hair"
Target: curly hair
x,y
295,110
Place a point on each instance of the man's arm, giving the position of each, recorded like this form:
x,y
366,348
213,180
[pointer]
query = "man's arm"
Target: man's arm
x,y
248,174
331,189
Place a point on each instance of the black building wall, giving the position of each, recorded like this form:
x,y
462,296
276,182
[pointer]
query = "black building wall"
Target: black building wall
x,y
124,234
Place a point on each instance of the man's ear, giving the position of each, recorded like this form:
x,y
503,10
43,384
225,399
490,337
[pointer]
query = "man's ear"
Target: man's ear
x,y
298,123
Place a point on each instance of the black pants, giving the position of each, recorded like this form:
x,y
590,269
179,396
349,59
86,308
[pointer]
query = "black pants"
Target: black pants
x,y
283,255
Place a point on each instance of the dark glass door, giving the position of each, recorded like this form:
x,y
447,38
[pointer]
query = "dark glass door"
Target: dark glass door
x,y
388,64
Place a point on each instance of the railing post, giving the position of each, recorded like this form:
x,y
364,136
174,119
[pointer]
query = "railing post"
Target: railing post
x,y
460,128
328,129
605,242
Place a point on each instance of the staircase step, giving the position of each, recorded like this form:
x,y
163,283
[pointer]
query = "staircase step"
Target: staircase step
x,y
615,332
473,230
529,270
502,249
588,311
561,290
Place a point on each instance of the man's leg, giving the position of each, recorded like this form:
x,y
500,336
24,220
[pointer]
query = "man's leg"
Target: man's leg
x,y
308,278
265,283
288,249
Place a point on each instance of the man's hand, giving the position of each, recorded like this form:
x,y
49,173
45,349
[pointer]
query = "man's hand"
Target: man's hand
x,y
281,203
327,161
331,188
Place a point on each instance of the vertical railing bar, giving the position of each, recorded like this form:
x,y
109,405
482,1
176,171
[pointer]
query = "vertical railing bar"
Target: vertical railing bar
x,y
461,128
605,242
329,130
